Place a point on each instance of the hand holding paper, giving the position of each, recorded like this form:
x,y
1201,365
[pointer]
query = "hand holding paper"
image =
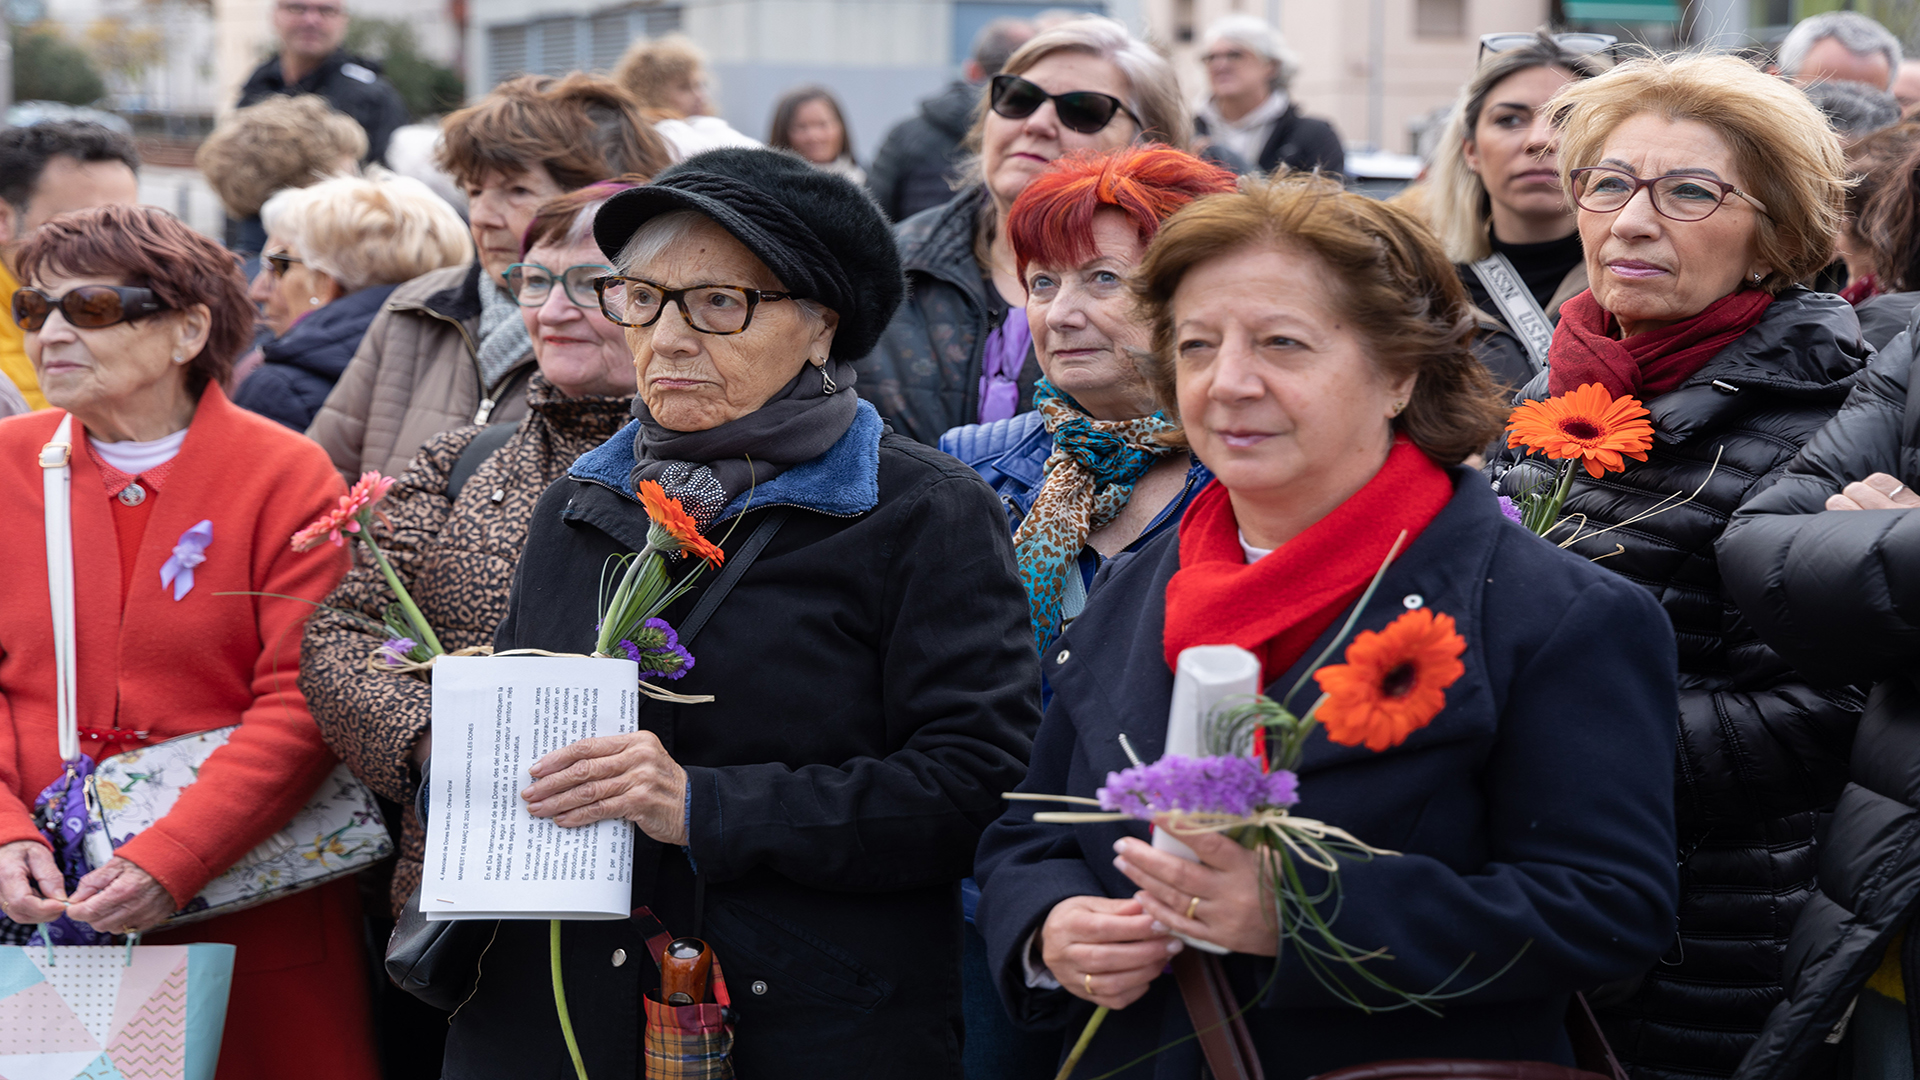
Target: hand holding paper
x,y
628,777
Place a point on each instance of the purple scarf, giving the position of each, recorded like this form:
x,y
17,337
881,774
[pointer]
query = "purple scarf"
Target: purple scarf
x,y
1005,353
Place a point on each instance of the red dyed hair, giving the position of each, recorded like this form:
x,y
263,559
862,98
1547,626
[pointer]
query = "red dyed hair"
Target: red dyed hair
x,y
1052,220
144,247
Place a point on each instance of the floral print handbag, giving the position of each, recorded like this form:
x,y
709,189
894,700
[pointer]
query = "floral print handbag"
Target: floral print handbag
x,y
338,832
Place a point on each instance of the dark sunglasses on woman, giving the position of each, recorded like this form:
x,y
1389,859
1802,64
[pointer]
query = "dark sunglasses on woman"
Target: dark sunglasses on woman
x,y
1084,111
88,307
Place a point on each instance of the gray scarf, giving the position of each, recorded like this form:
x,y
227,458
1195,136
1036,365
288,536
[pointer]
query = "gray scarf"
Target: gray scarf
x,y
706,470
503,333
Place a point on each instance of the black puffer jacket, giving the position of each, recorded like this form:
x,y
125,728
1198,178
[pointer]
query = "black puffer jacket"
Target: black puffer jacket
x,y
1838,594
924,376
1760,750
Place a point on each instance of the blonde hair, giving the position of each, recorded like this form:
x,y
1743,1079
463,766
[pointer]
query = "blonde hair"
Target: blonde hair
x,y
1787,156
368,231
652,70
1458,206
282,142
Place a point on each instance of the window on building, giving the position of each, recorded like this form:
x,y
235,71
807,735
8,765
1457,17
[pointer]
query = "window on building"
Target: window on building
x,y
1439,18
591,42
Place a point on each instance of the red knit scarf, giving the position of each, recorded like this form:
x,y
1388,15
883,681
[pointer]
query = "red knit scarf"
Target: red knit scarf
x,y
1278,606
1647,365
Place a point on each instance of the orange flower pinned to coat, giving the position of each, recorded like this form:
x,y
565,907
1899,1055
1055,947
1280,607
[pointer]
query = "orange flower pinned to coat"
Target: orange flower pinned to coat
x,y
673,528
1393,682
1588,425
344,517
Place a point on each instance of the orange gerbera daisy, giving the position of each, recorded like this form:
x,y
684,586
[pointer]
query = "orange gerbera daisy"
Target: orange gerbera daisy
x,y
1393,682
673,528
1587,425
343,517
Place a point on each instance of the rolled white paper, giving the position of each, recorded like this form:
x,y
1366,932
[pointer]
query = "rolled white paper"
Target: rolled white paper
x,y
1204,676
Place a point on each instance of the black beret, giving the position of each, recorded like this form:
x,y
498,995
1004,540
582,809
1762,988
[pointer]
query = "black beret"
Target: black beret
x,y
822,235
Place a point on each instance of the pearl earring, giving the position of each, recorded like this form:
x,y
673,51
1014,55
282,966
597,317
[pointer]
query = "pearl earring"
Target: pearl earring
x,y
314,300
178,359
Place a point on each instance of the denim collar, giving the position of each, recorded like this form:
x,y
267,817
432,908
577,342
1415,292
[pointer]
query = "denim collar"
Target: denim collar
x,y
843,482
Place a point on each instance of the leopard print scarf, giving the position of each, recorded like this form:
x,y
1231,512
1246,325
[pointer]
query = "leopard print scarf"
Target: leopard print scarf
x,y
1090,477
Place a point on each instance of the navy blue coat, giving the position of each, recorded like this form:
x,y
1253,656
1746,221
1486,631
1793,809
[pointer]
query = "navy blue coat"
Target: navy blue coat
x,y
303,364
1535,812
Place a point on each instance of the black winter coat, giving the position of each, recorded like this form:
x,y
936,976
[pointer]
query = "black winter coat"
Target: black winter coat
x,y
916,164
351,84
1760,749
877,691
1837,594
1533,813
1299,142
924,376
301,365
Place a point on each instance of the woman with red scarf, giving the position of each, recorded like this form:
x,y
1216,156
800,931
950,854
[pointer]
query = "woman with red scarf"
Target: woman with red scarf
x,y
1705,191
1315,346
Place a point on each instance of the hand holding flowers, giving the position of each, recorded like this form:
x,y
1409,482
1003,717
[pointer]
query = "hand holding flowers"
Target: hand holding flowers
x,y
1104,950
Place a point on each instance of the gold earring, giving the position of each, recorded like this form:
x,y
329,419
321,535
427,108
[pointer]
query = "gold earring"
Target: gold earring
x,y
1399,407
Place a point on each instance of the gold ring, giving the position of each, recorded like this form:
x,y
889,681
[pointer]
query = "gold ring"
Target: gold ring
x,y
1191,905
1086,980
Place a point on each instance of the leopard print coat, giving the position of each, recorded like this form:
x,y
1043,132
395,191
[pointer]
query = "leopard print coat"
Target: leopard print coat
x,y
457,559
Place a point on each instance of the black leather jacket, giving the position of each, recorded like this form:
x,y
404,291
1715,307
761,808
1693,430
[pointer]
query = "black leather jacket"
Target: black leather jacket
x,y
1761,751
1838,594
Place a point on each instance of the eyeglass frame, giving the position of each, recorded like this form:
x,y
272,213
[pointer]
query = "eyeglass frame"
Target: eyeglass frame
x,y
1606,42
993,103
678,298
128,294
594,304
279,262
1647,182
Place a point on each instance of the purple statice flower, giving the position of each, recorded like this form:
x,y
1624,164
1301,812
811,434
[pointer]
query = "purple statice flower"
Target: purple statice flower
x,y
1211,785
396,651
657,649
1512,512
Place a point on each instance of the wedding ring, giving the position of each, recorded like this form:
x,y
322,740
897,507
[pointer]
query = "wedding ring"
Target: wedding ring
x,y
1086,980
1191,905
1896,491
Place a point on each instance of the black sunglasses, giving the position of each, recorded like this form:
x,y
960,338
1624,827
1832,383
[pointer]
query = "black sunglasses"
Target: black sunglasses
x,y
88,307
1084,111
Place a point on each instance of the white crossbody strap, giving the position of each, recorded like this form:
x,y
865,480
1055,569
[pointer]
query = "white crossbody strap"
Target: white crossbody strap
x,y
57,482
1517,305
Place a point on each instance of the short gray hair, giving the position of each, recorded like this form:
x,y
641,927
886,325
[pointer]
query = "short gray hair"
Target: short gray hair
x,y
1253,32
1855,32
1855,110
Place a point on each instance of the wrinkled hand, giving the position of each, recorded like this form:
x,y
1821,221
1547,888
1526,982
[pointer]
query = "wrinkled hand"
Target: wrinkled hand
x,y
1235,908
1876,492
120,898
1104,951
31,889
627,777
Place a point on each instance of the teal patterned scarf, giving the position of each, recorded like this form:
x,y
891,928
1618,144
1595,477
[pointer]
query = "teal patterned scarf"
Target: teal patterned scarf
x,y
1090,477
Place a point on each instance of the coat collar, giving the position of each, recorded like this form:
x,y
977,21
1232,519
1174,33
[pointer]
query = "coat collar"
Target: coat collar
x,y
843,482
939,242
1113,664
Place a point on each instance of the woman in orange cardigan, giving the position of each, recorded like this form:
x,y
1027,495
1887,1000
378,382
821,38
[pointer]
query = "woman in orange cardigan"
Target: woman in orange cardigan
x,y
132,322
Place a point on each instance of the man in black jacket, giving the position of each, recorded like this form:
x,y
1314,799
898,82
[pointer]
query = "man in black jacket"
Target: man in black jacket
x,y
914,167
311,61
1250,114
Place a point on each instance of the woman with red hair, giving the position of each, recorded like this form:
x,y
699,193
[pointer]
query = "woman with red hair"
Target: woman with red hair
x,y
1095,469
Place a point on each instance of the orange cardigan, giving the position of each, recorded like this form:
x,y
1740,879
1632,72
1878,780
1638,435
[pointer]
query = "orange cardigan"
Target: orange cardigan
x,y
173,667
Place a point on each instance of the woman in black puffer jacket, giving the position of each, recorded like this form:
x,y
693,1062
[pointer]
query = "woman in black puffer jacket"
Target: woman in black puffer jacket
x,y
1837,594
1693,311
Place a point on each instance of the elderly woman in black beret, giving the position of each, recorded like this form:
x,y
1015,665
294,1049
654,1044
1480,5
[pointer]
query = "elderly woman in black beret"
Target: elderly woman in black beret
x,y
875,683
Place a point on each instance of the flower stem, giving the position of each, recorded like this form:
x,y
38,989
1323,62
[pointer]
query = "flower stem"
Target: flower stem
x,y
560,1000
427,636
1080,1046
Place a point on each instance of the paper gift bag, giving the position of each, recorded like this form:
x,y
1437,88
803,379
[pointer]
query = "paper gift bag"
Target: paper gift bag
x,y
104,1012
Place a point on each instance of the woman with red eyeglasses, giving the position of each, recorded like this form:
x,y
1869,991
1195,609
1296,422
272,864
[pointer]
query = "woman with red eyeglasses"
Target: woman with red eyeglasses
x,y
958,351
187,609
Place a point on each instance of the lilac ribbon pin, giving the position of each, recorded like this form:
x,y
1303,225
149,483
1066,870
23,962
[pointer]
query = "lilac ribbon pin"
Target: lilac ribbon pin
x,y
190,552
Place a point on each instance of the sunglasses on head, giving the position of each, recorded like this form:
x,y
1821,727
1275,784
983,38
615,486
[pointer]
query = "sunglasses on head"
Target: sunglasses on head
x,y
1579,44
1084,111
88,307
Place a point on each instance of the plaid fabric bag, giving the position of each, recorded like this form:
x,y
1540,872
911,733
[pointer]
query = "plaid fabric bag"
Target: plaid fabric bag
x,y
686,1042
